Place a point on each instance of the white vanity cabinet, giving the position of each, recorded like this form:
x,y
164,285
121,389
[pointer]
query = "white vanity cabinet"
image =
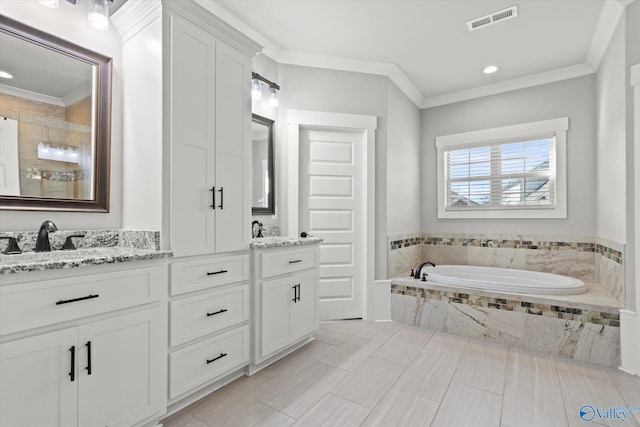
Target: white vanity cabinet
x,y
207,132
97,361
285,301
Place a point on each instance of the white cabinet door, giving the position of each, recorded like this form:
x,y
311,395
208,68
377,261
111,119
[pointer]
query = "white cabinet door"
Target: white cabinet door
x,y
276,298
121,361
304,312
192,56
36,388
233,145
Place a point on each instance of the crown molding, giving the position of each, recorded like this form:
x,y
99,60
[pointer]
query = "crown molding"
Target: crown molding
x,y
134,16
33,96
510,85
611,13
387,69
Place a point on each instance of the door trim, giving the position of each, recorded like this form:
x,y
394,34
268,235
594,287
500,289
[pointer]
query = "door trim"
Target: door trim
x,y
364,124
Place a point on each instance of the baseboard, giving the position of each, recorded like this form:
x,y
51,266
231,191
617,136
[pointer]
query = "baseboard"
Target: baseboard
x,y
635,374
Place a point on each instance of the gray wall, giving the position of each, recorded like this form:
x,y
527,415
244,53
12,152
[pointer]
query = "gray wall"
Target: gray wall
x,y
573,98
71,24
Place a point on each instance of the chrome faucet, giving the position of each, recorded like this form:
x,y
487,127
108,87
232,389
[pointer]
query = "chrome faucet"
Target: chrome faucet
x,y
42,243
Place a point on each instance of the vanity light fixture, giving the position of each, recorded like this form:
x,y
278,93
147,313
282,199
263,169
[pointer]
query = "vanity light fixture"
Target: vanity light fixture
x,y
256,89
98,15
490,69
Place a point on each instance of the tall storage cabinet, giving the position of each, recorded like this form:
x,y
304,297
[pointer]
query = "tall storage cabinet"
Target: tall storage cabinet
x,y
207,127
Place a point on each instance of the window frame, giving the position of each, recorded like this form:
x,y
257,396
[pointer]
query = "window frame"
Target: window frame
x,y
485,137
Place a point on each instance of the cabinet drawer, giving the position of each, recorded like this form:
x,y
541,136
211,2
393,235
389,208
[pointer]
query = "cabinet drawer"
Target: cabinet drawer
x,y
202,362
34,304
200,315
283,262
190,276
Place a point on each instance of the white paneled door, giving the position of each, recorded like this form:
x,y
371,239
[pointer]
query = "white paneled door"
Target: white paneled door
x,y
331,207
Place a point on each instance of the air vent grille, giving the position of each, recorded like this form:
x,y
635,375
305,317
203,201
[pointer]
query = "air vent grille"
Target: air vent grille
x,y
498,16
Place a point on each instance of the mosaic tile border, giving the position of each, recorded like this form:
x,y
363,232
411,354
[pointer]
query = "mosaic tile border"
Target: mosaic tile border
x,y
612,254
404,243
530,308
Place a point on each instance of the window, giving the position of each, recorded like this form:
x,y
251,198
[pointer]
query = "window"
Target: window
x,y
510,172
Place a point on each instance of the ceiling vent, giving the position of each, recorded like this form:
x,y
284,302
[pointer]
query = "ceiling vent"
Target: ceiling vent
x,y
493,18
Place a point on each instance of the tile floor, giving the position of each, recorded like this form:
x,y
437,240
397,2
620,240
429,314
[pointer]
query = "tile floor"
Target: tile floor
x,y
360,373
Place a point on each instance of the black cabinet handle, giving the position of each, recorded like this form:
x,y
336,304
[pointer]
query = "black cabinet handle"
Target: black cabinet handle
x,y
295,261
213,192
217,272
67,301
221,198
224,310
72,373
216,358
295,293
298,286
88,368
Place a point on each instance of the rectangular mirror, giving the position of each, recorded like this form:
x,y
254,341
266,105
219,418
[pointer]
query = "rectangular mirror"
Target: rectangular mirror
x,y
55,122
263,183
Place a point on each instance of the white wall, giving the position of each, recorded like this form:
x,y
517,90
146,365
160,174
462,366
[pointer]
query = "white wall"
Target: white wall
x,y
306,88
70,22
611,141
403,163
573,98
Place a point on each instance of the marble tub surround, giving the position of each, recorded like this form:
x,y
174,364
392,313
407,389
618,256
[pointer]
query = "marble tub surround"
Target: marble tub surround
x,y
281,241
586,327
404,254
585,258
134,239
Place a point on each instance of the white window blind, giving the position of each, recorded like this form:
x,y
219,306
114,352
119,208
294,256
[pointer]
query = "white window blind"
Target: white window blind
x,y
510,174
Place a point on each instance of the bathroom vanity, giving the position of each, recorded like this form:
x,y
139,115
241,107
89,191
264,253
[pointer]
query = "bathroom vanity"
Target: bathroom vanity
x,y
77,326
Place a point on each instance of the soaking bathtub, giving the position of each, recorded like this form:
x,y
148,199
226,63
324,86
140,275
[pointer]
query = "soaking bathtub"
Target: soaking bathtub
x,y
504,280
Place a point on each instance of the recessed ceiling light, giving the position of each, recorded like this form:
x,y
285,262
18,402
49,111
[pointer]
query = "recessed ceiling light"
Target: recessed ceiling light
x,y
490,69
5,75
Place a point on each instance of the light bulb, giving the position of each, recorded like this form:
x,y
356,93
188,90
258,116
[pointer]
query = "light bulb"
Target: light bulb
x,y
99,14
273,97
53,4
490,69
256,90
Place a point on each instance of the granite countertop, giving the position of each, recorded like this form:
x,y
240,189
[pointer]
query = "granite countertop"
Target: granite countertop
x,y
54,260
280,241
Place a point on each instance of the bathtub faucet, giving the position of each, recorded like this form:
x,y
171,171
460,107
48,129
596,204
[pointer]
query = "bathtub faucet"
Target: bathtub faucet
x,y
416,274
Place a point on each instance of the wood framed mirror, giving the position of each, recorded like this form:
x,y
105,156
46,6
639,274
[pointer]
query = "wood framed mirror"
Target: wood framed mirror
x,y
55,122
263,195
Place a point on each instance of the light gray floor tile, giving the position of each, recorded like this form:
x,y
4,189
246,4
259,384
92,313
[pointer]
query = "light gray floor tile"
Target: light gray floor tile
x,y
579,391
404,345
577,422
182,419
465,406
332,411
369,382
629,387
301,359
532,395
583,368
430,373
336,333
399,408
483,366
254,414
294,396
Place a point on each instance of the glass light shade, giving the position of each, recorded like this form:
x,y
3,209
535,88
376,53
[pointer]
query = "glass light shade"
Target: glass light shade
x,y
99,14
273,97
256,90
53,4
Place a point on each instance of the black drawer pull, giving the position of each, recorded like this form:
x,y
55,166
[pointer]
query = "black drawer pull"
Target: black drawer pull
x,y
221,206
72,373
67,301
224,310
295,261
213,190
216,358
295,293
298,296
88,368
217,272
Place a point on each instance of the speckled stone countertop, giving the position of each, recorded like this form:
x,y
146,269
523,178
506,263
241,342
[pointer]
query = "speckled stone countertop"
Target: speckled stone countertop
x,y
96,248
280,241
